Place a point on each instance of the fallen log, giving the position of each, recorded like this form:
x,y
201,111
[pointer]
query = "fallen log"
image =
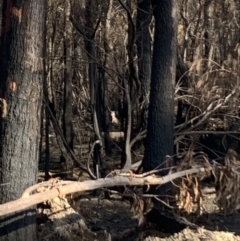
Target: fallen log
x,y
61,188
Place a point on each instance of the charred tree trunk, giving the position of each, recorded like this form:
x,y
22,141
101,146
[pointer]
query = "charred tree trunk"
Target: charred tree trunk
x,y
67,106
1,15
144,16
47,146
160,130
105,94
94,85
130,84
21,76
46,126
45,112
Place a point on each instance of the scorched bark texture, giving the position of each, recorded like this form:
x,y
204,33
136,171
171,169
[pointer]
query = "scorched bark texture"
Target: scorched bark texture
x,y
21,77
160,130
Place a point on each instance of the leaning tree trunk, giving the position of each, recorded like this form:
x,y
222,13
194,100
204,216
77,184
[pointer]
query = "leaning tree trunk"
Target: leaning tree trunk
x,y
160,130
21,75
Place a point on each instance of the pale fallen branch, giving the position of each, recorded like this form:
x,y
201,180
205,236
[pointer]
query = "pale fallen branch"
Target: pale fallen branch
x,y
51,183
28,199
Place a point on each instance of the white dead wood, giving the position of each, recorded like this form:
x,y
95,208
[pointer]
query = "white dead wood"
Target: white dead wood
x,y
114,118
116,135
61,188
136,165
3,107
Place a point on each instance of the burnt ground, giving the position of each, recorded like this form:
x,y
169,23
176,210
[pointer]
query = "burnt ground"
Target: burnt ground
x,y
90,216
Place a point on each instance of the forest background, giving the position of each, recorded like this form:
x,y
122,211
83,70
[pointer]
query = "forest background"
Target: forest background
x,y
83,107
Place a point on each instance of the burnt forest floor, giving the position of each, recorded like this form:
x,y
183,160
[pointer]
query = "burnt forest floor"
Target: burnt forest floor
x,y
90,216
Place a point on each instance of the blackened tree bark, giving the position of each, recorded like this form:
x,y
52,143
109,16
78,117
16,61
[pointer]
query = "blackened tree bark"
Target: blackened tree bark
x,y
95,85
45,113
160,130
104,88
67,107
21,75
144,16
1,3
